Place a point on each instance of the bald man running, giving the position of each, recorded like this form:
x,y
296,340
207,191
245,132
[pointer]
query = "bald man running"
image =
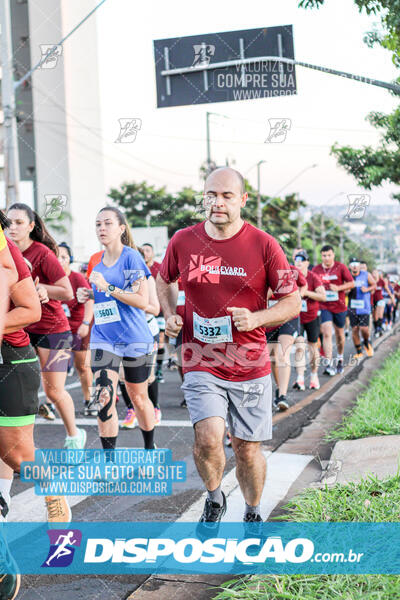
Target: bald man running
x,y
226,267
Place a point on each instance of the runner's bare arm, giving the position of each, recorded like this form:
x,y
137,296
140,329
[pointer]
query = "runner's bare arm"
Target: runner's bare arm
x,y
153,306
4,295
168,296
27,306
137,295
284,310
61,290
6,261
372,285
318,294
347,285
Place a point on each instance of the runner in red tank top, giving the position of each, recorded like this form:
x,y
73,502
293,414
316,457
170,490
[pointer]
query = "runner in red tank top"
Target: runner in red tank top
x,y
51,336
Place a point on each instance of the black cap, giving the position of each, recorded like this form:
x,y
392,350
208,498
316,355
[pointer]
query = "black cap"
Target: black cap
x,y
354,260
303,254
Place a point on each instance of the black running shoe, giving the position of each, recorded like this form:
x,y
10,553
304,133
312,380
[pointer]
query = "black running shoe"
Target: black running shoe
x,y
339,367
331,371
284,403
253,525
183,404
210,519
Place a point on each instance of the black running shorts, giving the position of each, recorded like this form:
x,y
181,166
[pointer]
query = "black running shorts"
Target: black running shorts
x,y
312,329
358,320
19,385
136,370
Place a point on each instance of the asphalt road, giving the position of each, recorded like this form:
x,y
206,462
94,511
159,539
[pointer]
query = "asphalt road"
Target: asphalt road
x,y
178,436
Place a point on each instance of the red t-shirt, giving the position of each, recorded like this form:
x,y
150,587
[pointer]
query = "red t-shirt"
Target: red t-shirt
x,y
217,274
313,281
396,288
18,338
45,265
154,269
301,281
93,261
73,309
337,274
378,291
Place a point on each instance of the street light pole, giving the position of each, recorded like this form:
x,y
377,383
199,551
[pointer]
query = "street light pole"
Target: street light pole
x,y
11,162
314,243
208,140
259,213
299,224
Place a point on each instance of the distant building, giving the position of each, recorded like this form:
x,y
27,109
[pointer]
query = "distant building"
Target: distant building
x,y
58,115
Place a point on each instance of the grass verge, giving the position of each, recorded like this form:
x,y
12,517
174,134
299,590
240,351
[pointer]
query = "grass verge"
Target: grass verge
x,y
312,587
371,500
377,411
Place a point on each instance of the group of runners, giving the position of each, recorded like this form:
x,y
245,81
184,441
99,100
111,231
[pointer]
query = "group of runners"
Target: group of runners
x,y
225,291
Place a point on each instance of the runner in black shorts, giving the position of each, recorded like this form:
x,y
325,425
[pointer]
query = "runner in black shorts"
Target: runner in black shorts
x,y
280,341
79,318
51,336
360,307
309,321
337,280
152,309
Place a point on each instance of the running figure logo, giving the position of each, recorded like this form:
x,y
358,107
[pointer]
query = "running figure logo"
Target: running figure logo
x,y
202,54
128,129
278,129
357,205
62,547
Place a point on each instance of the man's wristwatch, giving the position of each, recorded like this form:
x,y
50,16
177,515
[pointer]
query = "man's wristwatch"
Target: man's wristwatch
x,y
86,323
109,290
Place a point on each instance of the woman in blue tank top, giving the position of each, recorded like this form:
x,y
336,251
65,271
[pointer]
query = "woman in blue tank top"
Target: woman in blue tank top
x,y
120,335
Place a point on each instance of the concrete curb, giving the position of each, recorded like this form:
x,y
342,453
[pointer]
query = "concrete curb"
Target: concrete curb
x,y
301,429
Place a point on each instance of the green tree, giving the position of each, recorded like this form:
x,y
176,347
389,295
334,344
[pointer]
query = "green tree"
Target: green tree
x,y
144,204
374,166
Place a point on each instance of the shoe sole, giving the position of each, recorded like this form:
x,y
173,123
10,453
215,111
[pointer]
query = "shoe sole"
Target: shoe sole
x,y
17,586
282,406
128,426
57,524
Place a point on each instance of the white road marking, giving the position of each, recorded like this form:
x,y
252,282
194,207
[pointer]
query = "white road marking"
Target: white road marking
x,y
27,506
93,421
69,386
282,470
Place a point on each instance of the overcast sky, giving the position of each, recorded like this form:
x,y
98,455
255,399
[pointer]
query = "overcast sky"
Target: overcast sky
x,y
171,145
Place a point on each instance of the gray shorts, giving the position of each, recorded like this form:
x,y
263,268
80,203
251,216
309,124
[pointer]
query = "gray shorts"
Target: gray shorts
x,y
245,405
